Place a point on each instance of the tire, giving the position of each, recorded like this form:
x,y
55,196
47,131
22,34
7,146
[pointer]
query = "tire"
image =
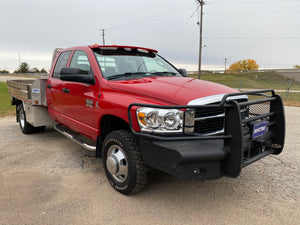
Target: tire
x,y
26,127
123,163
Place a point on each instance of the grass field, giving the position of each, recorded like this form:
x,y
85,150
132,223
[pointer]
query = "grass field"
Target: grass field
x,y
261,80
253,80
5,106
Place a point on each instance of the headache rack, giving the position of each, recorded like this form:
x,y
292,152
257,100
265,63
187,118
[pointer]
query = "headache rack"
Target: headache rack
x,y
250,129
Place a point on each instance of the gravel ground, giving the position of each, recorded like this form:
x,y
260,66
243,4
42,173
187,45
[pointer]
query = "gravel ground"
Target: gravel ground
x,y
47,179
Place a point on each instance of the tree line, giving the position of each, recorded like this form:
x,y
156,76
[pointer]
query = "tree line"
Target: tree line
x,y
24,68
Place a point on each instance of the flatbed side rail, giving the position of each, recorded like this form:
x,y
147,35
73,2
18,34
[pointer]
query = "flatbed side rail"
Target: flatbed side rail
x,y
20,89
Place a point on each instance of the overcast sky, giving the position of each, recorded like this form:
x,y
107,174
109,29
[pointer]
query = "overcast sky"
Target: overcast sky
x,y
265,30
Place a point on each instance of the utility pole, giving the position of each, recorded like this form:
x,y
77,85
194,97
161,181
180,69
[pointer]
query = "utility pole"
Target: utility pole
x,y
201,2
103,38
225,64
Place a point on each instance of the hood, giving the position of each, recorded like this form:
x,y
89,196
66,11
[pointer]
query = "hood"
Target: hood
x,y
175,90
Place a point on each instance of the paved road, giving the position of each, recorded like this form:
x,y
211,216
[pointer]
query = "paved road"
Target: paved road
x,y
6,78
47,179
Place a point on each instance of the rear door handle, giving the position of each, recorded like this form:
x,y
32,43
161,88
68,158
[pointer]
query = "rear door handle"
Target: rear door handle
x,y
49,86
66,90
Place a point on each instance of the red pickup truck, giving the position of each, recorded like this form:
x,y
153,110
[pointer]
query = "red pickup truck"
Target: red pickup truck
x,y
137,111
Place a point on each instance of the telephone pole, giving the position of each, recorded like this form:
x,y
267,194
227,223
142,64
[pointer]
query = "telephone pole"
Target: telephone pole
x,y
103,38
225,64
201,2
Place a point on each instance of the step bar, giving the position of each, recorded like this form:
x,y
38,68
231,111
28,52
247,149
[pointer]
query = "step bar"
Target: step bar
x,y
74,137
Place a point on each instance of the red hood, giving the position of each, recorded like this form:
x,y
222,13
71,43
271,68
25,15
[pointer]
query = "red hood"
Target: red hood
x,y
175,90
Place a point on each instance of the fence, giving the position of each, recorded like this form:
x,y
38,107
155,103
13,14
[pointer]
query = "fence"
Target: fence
x,y
292,74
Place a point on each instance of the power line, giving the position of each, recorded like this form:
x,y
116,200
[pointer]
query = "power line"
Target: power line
x,y
252,2
254,38
252,12
153,17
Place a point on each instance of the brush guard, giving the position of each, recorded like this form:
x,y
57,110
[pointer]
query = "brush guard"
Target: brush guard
x,y
252,130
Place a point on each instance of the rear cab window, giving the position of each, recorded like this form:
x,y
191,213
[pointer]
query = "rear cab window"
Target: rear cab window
x,y
61,63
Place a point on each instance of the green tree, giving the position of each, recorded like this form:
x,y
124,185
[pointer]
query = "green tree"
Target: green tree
x,y
241,65
34,70
4,71
23,68
43,70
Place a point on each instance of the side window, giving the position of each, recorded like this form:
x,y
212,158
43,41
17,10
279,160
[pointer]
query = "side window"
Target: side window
x,y
81,61
60,63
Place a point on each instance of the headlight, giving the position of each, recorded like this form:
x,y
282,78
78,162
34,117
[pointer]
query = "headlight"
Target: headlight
x,y
160,120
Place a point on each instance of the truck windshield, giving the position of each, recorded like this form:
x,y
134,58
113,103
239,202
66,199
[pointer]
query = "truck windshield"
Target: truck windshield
x,y
120,64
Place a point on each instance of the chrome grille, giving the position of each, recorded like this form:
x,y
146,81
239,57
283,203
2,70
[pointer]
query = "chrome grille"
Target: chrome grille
x,y
209,121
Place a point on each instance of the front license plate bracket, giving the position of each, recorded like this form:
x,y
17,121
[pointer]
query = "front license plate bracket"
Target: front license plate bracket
x,y
259,129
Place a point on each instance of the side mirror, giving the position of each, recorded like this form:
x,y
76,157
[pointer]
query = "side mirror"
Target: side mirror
x,y
183,72
76,75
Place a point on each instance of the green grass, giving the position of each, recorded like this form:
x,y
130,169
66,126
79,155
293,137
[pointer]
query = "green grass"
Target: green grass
x,y
5,105
251,80
293,99
257,80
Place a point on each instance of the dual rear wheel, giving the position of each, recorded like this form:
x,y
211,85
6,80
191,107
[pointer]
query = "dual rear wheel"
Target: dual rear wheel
x,y
26,127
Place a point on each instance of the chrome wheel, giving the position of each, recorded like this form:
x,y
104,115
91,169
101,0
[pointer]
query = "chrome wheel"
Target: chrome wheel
x,y
117,163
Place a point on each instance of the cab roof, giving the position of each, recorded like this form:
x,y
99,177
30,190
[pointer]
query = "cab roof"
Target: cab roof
x,y
96,46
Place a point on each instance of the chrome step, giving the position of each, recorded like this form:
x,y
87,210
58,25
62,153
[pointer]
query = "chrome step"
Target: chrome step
x,y
77,138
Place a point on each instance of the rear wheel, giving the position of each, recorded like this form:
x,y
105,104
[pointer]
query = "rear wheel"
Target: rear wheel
x,y
123,163
26,127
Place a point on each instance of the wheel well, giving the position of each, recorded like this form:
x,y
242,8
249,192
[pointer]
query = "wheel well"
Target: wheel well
x,y
110,123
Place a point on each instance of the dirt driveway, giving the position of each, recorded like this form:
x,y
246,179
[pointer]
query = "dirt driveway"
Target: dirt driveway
x,y
47,179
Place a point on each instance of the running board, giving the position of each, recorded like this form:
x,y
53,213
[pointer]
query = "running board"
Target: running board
x,y
74,137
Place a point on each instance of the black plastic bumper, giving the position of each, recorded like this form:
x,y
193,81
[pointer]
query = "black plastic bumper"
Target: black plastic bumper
x,y
196,157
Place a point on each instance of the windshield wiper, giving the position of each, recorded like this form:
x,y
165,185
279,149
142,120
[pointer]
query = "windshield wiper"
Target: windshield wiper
x,y
129,74
164,73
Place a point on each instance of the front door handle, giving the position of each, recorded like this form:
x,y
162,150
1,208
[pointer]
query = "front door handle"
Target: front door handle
x,y
66,90
49,86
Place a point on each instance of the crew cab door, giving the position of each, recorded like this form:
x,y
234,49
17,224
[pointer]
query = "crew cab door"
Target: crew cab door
x,y
80,98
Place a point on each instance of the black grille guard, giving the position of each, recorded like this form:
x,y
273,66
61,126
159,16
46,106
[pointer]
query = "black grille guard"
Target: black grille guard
x,y
243,149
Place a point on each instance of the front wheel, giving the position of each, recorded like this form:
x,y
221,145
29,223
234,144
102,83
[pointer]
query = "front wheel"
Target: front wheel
x,y
123,163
